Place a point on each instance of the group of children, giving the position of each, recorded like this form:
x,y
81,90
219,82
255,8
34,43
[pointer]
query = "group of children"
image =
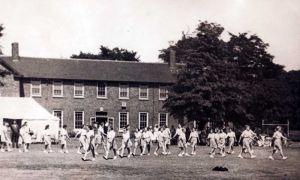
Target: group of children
x,y
217,140
92,137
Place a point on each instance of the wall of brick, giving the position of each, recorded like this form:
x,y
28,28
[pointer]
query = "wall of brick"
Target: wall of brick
x,y
11,85
90,104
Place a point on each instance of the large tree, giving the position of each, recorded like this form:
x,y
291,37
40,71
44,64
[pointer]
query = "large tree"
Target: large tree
x,y
105,53
2,72
218,78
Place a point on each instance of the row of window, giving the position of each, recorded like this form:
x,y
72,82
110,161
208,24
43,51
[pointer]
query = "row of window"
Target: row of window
x,y
57,90
123,119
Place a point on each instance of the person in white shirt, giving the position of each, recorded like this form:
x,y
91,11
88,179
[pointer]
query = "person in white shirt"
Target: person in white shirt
x,y
47,139
82,139
111,143
6,139
100,137
155,131
63,139
160,142
194,138
182,143
212,142
25,137
247,137
137,141
167,139
277,143
126,142
90,140
222,141
146,141
232,139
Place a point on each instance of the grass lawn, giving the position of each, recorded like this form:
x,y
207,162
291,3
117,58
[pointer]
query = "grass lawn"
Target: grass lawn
x,y
38,165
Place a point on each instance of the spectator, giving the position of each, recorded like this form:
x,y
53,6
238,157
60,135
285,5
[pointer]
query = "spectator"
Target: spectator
x,y
15,133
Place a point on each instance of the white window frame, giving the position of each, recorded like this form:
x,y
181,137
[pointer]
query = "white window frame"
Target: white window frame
x,y
92,120
40,87
102,97
144,98
147,122
75,120
123,84
167,118
159,97
61,88
121,130
82,96
62,116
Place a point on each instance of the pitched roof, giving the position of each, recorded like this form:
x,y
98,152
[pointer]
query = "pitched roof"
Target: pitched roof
x,y
83,69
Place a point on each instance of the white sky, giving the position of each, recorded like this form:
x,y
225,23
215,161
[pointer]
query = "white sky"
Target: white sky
x,y
60,28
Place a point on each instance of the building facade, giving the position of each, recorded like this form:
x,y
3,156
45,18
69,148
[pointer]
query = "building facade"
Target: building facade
x,y
85,91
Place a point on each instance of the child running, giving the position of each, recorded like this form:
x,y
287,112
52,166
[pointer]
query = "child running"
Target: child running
x,y
137,141
222,141
167,139
160,142
100,138
90,143
247,137
194,138
111,143
82,139
182,143
232,139
146,141
277,142
212,143
63,139
126,142
47,139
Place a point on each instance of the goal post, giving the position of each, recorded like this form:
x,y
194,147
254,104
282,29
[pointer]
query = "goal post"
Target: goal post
x,y
267,126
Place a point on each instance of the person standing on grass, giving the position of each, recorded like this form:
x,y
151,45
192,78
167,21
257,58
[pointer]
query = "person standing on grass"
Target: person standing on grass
x,y
82,139
232,139
182,143
126,142
193,139
222,141
63,139
25,137
146,141
111,143
160,142
246,136
277,142
212,143
6,140
15,134
90,143
167,139
47,139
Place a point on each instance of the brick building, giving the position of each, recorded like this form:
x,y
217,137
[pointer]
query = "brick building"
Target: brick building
x,y
81,91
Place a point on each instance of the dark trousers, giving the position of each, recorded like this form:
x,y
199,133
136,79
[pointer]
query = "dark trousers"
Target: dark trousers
x,y
15,140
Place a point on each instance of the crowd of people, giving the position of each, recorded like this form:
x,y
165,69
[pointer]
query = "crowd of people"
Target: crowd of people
x,y
92,137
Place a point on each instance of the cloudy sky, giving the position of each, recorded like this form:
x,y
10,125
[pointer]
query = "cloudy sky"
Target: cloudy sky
x,y
60,28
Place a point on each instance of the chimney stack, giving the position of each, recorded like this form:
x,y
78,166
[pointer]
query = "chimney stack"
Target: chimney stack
x,y
15,51
172,62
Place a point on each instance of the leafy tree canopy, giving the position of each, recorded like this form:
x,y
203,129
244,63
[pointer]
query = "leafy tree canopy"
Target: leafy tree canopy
x,y
223,81
118,54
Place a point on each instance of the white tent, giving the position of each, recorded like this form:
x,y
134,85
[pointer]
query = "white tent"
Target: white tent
x,y
27,109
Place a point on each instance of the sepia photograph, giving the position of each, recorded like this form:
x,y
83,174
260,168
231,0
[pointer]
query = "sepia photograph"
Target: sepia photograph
x,y
149,89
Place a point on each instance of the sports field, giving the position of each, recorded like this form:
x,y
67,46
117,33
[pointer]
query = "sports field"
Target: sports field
x,y
38,165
